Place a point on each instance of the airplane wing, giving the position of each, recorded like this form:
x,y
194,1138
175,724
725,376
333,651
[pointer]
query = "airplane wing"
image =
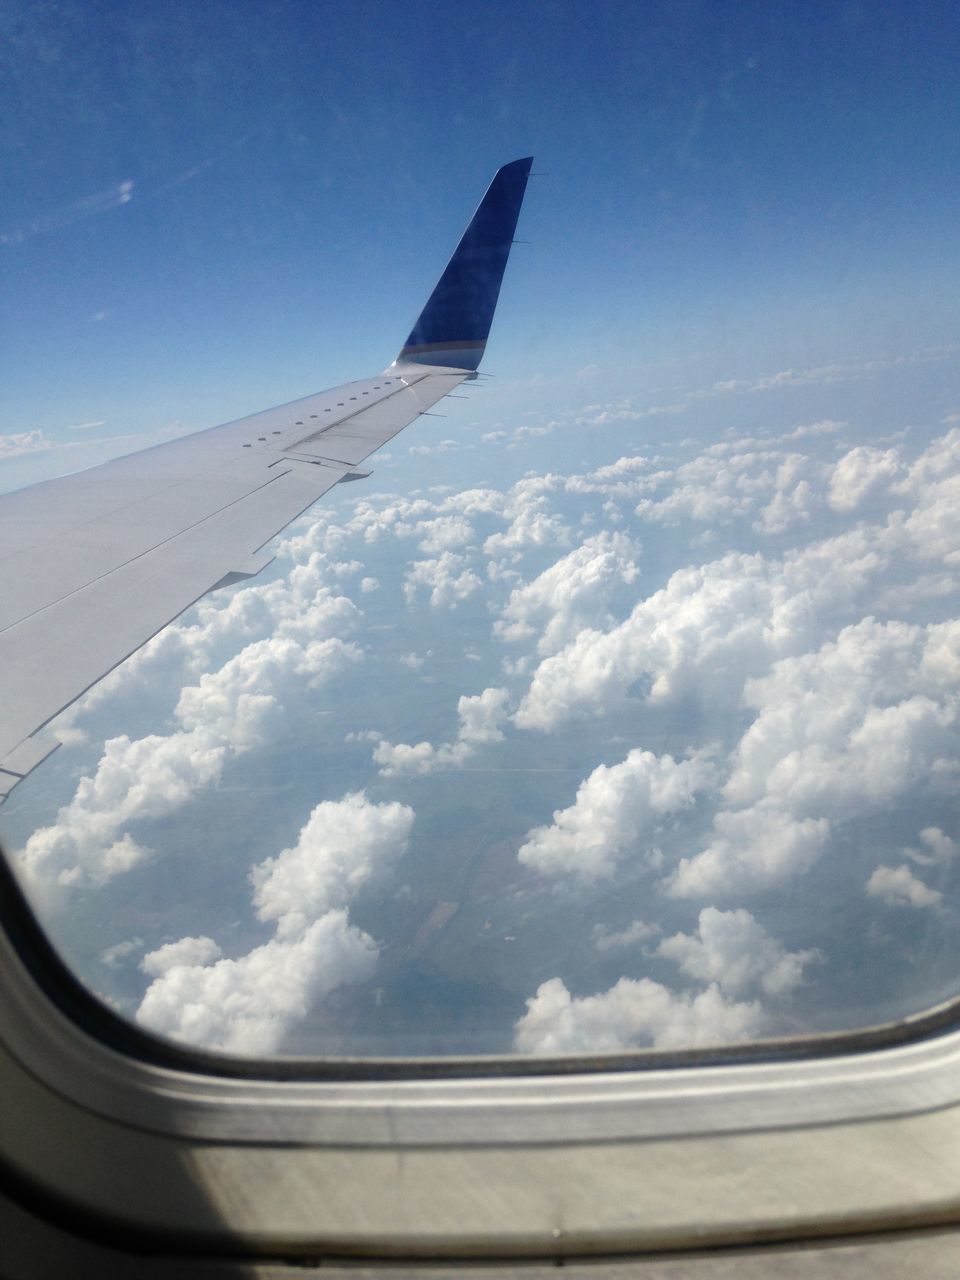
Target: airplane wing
x,y
92,565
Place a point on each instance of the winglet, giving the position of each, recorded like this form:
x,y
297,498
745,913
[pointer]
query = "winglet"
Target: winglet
x,y
453,327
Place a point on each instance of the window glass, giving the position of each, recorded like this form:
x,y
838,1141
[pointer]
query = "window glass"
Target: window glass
x,y
616,708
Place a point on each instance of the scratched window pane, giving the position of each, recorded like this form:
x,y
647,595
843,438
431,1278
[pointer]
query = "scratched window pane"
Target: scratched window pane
x,y
617,707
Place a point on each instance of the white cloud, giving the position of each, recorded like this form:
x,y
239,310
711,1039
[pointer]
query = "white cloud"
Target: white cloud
x,y
939,851
632,1014
751,849
249,1003
532,524
616,813
575,592
616,940
711,488
446,578
18,443
225,713
840,732
480,716
443,532
709,627
116,954
861,473
186,951
443,446
898,886
732,950
341,847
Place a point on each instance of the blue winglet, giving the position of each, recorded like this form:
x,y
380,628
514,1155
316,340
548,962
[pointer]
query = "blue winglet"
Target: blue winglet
x,y
453,326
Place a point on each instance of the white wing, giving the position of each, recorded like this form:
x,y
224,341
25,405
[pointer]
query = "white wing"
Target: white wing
x,y
92,565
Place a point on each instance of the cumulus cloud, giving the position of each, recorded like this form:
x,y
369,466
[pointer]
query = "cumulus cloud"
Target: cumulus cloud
x,y
616,813
575,592
840,732
247,1004
532,523
226,712
861,473
447,579
714,626
899,887
186,951
707,625
480,715
751,849
732,950
339,850
938,850
711,488
443,532
932,485
632,1014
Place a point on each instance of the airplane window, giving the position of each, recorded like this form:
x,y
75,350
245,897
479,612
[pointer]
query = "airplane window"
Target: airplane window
x,y
618,707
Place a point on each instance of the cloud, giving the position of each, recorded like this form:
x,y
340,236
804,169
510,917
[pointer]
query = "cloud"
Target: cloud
x,y
249,1003
187,951
632,1014
532,524
226,712
708,625
575,592
616,813
714,626
899,887
840,732
711,489
341,847
446,578
751,849
615,940
19,443
443,446
443,533
932,483
732,950
861,473
480,715
115,955
940,849
112,197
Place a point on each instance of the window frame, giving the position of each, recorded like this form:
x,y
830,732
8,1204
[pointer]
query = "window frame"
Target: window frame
x,y
496,1157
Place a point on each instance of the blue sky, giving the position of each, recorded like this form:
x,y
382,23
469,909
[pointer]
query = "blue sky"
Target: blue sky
x,y
208,210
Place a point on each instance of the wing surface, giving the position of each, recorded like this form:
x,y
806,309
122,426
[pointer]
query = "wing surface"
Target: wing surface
x,y
92,565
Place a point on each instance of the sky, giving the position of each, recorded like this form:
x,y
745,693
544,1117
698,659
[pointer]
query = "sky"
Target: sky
x,y
618,708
